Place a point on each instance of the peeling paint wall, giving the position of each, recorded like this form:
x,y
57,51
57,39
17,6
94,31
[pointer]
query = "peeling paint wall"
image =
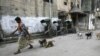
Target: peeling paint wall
x,y
8,23
91,24
28,8
61,6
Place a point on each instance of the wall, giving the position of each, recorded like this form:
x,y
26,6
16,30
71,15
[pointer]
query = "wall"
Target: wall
x,y
31,12
87,5
91,25
8,23
32,8
62,7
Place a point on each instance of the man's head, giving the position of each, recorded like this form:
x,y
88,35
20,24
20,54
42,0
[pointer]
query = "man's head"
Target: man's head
x,y
18,19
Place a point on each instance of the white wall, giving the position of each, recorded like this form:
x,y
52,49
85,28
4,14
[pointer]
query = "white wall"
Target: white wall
x,y
8,23
91,26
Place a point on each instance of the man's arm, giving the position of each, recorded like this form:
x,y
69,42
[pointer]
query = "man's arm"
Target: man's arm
x,y
28,34
14,31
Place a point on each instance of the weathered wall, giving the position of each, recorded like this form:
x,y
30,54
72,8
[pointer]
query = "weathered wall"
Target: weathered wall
x,y
62,7
91,24
34,25
83,23
29,10
17,7
97,23
26,8
88,5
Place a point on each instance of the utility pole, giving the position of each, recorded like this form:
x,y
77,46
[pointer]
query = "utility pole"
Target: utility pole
x,y
50,10
36,8
44,5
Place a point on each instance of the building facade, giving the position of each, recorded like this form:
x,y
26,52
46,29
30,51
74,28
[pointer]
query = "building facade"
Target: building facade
x,y
36,8
41,8
97,13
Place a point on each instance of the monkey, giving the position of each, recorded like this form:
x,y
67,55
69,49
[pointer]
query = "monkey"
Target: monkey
x,y
43,42
49,44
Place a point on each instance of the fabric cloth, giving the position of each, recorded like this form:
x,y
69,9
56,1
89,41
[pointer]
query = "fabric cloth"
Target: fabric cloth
x,y
24,39
23,42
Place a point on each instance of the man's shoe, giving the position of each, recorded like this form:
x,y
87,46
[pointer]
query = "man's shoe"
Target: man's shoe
x,y
17,52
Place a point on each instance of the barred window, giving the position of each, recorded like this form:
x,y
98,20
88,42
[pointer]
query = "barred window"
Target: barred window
x,y
48,1
65,2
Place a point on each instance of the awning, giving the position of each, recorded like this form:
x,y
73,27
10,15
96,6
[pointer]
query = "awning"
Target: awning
x,y
77,12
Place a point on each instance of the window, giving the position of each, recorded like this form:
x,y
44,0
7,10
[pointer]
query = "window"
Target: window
x,y
65,2
48,1
72,5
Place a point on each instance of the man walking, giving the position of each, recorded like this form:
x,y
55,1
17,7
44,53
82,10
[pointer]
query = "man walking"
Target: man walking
x,y
24,36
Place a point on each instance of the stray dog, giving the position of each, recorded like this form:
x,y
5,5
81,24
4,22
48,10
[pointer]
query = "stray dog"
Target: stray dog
x,y
89,35
45,43
80,35
98,36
